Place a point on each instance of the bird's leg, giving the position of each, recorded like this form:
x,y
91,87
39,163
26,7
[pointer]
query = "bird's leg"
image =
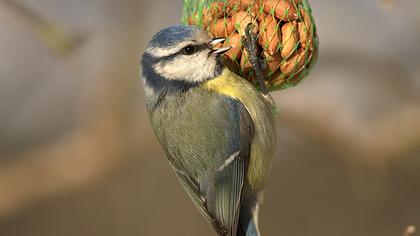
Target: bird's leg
x,y
251,45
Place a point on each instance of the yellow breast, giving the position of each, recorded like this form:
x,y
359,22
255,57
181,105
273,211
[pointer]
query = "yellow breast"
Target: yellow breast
x,y
262,146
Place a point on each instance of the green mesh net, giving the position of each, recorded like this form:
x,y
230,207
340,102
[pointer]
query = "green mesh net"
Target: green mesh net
x,y
286,33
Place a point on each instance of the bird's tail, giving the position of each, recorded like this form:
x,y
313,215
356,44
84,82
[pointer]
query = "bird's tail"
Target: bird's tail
x,y
248,221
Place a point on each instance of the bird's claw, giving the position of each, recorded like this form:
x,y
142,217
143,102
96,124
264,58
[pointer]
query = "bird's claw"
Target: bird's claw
x,y
251,45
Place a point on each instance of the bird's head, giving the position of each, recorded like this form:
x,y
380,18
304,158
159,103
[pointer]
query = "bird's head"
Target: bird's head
x,y
183,53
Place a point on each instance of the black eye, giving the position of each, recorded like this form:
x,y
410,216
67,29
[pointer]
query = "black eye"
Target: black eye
x,y
188,50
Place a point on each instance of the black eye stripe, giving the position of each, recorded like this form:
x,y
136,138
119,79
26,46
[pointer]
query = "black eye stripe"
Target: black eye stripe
x,y
198,48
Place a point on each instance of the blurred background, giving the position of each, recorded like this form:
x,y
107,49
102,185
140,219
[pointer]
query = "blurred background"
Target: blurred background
x,y
78,156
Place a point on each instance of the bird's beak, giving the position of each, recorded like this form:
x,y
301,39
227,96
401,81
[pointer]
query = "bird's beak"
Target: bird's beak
x,y
215,41
218,51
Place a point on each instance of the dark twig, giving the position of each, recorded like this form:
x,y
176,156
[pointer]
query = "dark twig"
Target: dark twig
x,y
49,33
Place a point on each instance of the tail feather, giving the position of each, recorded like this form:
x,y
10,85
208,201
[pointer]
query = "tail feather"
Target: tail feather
x,y
240,231
248,225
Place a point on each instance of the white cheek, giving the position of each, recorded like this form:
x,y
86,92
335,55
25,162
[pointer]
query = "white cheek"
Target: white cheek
x,y
194,68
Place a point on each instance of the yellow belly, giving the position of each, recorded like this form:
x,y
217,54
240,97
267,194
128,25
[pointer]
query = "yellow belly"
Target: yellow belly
x,y
262,146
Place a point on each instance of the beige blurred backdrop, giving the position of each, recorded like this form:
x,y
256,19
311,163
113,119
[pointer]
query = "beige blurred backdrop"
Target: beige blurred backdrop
x,y
78,156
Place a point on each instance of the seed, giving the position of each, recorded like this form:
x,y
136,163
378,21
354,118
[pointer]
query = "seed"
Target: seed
x,y
295,63
282,9
273,62
289,38
241,19
222,28
234,41
269,35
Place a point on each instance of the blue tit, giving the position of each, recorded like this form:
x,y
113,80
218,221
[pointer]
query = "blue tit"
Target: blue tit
x,y
217,130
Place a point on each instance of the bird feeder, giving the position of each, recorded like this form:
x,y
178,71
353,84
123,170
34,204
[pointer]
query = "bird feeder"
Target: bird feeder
x,y
287,38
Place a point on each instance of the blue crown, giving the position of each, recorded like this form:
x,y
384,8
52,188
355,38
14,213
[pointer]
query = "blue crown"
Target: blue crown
x,y
173,35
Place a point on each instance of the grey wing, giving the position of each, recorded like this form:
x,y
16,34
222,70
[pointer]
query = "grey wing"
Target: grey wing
x,y
218,193
192,188
224,192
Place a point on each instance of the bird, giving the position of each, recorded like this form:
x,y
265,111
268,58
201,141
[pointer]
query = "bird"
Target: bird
x,y
216,128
